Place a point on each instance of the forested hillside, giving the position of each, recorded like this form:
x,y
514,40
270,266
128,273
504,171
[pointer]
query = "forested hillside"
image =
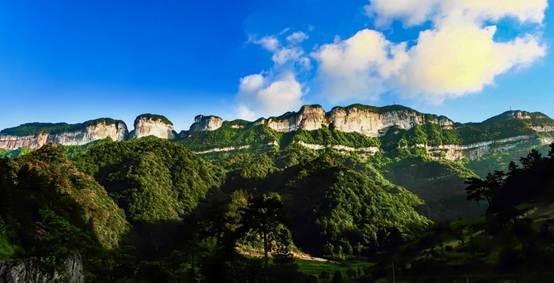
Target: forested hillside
x,y
161,212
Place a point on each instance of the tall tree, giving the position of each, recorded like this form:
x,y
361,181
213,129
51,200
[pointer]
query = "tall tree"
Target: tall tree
x,y
479,189
264,218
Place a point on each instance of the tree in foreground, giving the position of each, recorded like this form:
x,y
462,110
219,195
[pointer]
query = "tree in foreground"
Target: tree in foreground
x,y
264,218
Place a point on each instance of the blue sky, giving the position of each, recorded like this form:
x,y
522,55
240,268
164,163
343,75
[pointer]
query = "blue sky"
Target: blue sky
x,y
78,60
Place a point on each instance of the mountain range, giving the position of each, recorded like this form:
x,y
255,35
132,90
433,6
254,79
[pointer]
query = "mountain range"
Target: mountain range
x,y
356,128
348,183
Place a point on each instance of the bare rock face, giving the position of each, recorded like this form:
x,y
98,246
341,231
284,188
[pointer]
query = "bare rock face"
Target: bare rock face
x,y
30,270
93,132
375,122
80,134
309,118
206,123
521,115
476,150
153,125
543,129
369,121
11,142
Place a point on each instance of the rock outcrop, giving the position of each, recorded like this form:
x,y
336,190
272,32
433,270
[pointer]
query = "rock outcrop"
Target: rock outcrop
x,y
153,125
31,270
77,134
543,129
309,118
35,135
206,123
369,121
374,122
369,150
366,120
12,142
476,150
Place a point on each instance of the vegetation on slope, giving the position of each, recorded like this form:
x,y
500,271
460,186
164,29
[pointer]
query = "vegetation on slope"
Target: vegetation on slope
x,y
52,209
395,142
227,136
151,179
502,126
493,130
154,117
512,241
14,153
404,142
439,183
335,205
500,160
329,136
187,216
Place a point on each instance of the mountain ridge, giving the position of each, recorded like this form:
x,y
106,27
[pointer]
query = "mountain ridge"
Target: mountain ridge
x,y
368,128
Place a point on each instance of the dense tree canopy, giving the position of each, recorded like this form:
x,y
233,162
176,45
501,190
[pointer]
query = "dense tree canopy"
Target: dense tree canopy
x,y
150,178
52,208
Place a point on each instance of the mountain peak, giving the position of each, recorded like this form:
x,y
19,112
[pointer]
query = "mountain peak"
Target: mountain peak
x,y
520,115
206,123
153,125
153,117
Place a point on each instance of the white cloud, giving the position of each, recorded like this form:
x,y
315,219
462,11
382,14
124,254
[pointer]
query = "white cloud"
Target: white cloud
x,y
523,10
270,43
412,12
251,83
276,90
274,97
459,59
415,12
297,37
354,68
285,55
458,55
245,113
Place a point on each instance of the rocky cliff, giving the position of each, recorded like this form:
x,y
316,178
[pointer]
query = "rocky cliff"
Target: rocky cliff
x,y
206,123
374,122
309,118
476,150
366,120
439,136
442,138
31,270
36,135
153,125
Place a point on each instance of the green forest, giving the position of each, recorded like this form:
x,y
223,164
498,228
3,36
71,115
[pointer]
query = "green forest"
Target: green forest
x,y
151,210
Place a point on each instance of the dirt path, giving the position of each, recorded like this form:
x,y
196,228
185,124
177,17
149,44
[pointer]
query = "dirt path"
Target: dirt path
x,y
296,254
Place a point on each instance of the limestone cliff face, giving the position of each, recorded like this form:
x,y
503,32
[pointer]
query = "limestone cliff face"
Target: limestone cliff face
x,y
475,150
543,129
376,121
153,125
116,132
10,142
89,131
206,123
309,118
372,122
